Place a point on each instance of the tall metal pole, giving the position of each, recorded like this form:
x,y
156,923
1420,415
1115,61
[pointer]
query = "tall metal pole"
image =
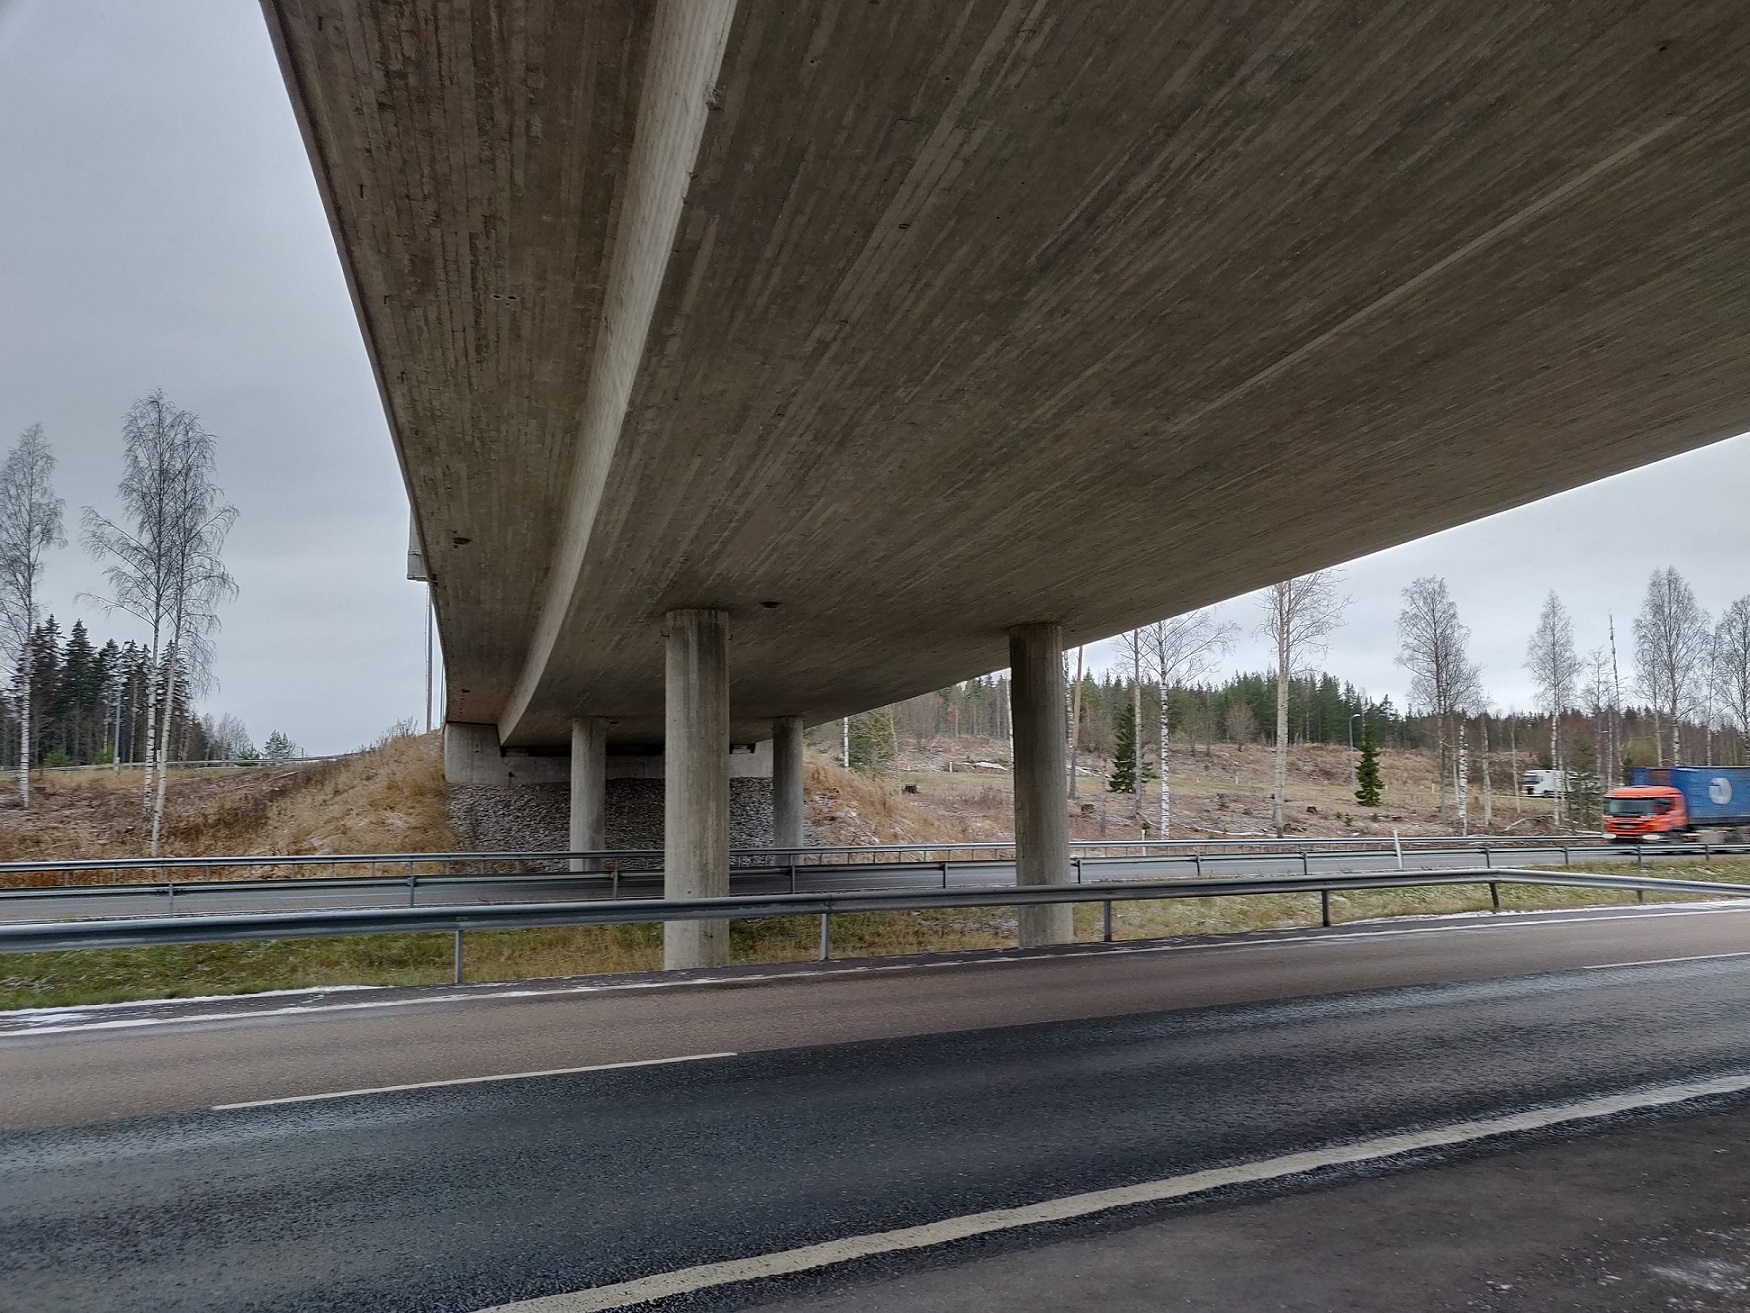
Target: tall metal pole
x,y
428,611
115,751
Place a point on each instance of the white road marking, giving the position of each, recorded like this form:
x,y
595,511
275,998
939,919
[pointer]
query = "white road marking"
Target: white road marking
x,y
465,1080
1480,923
1662,961
686,1280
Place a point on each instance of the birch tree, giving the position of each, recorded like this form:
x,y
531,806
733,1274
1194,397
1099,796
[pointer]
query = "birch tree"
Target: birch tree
x,y
30,524
1672,641
1432,644
1597,694
166,564
1075,724
1554,667
1182,649
1732,669
1299,615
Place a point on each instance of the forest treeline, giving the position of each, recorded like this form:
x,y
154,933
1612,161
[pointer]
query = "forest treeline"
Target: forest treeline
x,y
1240,711
89,705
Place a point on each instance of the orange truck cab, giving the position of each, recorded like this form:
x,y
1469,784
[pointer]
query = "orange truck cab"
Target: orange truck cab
x,y
1697,803
1650,811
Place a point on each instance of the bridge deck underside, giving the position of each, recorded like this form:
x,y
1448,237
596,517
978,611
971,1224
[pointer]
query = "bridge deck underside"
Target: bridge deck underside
x,y
993,313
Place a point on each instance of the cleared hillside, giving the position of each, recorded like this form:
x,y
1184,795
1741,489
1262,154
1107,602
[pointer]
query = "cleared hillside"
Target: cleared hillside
x,y
391,798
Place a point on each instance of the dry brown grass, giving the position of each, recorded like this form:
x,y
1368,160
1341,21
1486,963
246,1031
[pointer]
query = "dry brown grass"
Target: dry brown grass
x,y
847,808
1219,791
390,799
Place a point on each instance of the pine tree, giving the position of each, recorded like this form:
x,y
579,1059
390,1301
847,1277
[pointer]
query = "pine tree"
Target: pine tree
x,y
1369,788
1124,753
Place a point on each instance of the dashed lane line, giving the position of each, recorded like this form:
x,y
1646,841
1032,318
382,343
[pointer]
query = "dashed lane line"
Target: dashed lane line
x,y
464,1080
1664,961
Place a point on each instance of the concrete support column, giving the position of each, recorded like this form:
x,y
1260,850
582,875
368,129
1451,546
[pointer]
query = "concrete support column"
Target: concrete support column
x,y
1041,812
787,782
696,782
589,789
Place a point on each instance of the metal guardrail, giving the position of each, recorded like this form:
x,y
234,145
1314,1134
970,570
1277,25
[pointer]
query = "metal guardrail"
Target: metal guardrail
x,y
148,931
549,873
15,875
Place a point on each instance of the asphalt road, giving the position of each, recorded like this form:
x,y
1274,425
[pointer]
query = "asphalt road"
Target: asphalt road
x,y
1636,1218
857,1101
195,897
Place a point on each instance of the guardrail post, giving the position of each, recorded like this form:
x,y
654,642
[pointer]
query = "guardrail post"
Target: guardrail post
x,y
1078,866
1325,908
458,958
944,873
1495,895
1487,861
825,936
1640,895
412,885
792,872
1197,864
1566,859
1106,923
170,894
1304,873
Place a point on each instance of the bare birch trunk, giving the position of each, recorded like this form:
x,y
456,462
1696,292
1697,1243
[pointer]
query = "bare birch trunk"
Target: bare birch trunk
x,y
151,728
1441,732
1675,742
1488,781
1461,773
1166,806
163,747
1518,789
1280,809
24,733
1555,762
1136,736
1075,727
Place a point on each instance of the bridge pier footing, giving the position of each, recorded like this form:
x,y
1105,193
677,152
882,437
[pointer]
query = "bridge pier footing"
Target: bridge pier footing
x,y
589,788
1041,810
696,782
787,800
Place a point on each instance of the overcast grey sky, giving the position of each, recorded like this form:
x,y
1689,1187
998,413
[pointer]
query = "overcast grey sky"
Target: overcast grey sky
x,y
162,229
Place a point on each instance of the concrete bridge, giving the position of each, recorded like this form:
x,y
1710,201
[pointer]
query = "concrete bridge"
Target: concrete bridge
x,y
754,364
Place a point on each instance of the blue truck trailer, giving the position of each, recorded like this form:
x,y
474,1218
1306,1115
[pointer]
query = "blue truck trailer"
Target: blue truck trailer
x,y
1680,802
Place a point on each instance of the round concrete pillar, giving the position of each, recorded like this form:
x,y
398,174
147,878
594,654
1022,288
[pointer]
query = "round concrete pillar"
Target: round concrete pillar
x,y
589,788
696,782
1041,813
787,800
